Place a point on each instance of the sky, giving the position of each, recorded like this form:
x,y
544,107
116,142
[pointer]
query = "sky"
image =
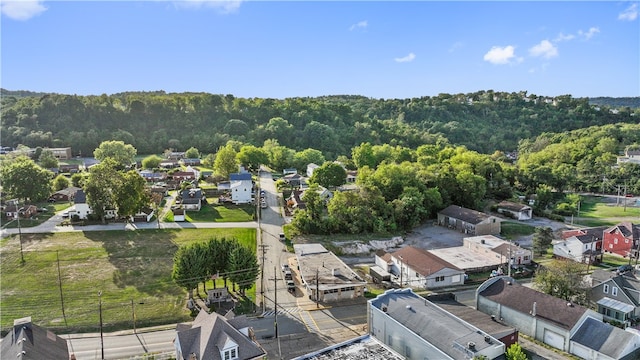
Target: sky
x,y
281,49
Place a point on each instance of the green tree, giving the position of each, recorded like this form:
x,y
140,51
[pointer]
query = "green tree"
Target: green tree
x,y
409,208
363,156
209,161
280,157
252,157
329,175
123,154
563,279
515,352
23,179
61,182
151,162
225,162
78,179
542,239
313,202
192,153
307,156
101,186
131,196
187,264
47,160
243,267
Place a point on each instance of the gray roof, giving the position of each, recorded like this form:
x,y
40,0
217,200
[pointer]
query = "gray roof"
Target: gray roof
x,y
616,305
604,338
316,262
507,292
440,328
464,214
206,335
513,206
80,197
36,342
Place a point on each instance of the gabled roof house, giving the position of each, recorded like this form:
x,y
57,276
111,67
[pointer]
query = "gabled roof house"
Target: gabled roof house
x,y
241,186
515,210
28,341
212,337
622,239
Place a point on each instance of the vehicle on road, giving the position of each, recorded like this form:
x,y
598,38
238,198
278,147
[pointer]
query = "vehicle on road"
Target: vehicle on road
x,y
263,204
288,275
65,214
291,286
285,267
282,237
624,268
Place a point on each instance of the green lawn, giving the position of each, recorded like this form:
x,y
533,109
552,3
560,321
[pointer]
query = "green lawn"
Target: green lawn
x,y
512,230
222,213
592,207
124,265
37,219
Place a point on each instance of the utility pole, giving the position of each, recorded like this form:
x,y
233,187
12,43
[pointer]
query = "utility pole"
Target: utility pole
x,y
60,287
317,289
275,300
20,233
618,197
263,248
101,334
625,195
133,316
509,260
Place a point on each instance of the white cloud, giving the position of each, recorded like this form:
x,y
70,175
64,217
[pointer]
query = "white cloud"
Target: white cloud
x,y
589,34
223,6
501,55
21,10
359,25
630,13
407,58
563,37
545,49
457,45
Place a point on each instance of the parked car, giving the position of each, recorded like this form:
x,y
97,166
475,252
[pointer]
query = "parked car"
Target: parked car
x,y
624,268
291,286
263,204
282,237
285,267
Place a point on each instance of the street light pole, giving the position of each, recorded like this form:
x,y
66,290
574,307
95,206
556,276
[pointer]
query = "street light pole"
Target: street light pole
x,y
20,233
101,334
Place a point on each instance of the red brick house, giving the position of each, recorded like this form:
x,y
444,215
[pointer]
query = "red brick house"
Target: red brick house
x,y
621,239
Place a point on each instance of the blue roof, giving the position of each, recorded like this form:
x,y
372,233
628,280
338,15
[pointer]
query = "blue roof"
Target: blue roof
x,y
240,176
80,197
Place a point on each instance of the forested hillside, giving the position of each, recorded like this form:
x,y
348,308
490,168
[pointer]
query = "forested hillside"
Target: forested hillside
x,y
484,121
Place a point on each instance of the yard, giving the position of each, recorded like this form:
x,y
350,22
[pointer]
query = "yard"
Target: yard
x,y
598,211
222,213
39,218
132,269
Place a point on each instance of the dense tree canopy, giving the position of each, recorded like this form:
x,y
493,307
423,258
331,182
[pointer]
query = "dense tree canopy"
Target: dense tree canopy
x,y
22,179
120,152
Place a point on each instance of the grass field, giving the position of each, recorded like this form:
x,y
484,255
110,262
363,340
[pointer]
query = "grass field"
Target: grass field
x,y
37,219
593,207
126,266
222,213
512,230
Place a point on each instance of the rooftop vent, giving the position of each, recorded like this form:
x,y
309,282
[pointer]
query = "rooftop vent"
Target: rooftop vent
x,y
569,304
487,339
471,345
493,317
408,307
384,309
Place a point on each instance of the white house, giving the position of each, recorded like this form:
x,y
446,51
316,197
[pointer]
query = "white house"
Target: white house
x,y
80,206
515,210
419,268
241,187
310,168
630,156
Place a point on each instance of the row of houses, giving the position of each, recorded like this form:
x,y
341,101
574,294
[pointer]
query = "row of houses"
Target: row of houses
x,y
588,245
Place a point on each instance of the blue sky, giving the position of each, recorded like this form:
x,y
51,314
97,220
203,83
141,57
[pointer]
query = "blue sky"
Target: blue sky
x,y
298,48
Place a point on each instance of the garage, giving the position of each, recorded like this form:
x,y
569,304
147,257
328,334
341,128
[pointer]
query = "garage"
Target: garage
x,y
580,350
553,339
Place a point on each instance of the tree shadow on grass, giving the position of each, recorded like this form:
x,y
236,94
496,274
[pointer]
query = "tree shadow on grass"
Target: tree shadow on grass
x,y
143,259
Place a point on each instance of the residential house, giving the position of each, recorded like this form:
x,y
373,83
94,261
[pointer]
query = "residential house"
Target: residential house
x,y
310,168
289,171
212,337
159,189
64,194
351,176
12,212
326,277
169,164
630,156
581,245
28,341
554,321
469,221
622,239
418,329
419,268
191,199
151,176
617,297
175,155
515,210
144,215
80,206
295,202
181,176
241,186
190,162
294,180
